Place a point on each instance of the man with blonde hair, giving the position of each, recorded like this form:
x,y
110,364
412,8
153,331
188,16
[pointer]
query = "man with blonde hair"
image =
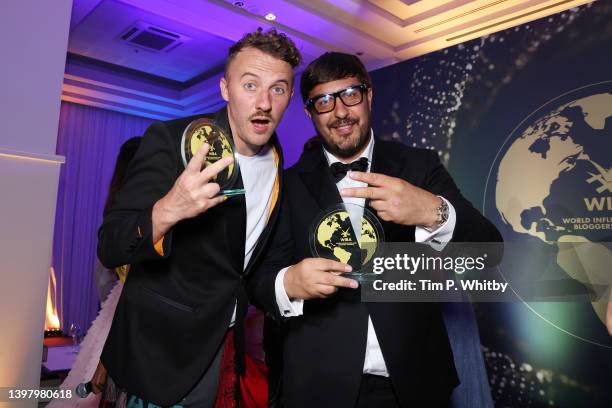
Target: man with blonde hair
x,y
191,247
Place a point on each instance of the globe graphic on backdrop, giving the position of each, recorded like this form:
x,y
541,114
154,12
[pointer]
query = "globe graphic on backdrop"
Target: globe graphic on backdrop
x,y
552,182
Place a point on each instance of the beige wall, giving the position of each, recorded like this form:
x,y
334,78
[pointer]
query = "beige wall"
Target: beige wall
x,y
33,40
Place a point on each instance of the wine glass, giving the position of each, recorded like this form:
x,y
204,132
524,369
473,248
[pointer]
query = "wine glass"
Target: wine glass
x,y
74,332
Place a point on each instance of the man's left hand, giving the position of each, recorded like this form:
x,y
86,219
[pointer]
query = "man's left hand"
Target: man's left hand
x,y
396,200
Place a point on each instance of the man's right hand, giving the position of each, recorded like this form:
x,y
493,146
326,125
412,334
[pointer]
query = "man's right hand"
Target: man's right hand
x,y
316,278
191,195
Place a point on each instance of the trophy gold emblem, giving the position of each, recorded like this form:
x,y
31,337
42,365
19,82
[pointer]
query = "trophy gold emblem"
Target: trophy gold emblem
x,y
205,130
350,234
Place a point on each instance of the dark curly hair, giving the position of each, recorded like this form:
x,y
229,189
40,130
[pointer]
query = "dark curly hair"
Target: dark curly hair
x,y
126,153
332,66
271,42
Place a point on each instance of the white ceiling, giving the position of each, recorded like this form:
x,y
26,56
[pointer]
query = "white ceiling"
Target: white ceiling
x,y
97,36
106,72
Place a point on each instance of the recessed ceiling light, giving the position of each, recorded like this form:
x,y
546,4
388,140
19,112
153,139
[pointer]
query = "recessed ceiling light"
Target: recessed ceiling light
x,y
239,3
270,16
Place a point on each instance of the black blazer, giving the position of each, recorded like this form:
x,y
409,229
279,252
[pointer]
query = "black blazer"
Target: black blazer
x,y
324,350
175,309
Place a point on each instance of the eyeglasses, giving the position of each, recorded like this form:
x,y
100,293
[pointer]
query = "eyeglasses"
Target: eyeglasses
x,y
351,96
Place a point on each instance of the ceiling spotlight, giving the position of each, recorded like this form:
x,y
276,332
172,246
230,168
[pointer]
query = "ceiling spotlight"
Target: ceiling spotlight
x,y
239,3
270,16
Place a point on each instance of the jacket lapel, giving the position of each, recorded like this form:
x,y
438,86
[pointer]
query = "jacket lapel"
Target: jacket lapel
x,y
318,180
235,230
384,160
235,215
221,119
387,161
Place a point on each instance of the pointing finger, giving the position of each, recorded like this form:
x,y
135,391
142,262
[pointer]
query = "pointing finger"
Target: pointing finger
x,y
212,170
371,193
329,265
340,282
196,162
372,179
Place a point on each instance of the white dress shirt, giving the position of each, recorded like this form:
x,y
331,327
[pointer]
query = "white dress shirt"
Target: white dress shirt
x,y
374,363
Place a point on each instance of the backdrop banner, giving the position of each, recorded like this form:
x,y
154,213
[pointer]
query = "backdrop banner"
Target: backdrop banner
x,y
523,120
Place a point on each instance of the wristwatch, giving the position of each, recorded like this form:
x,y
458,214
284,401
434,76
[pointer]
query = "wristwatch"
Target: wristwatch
x,y
442,211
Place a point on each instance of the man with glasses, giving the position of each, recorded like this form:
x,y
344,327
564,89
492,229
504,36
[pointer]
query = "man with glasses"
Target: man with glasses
x,y
338,351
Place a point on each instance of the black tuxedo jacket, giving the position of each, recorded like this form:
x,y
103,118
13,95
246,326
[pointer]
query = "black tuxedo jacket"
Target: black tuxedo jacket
x,y
324,350
175,309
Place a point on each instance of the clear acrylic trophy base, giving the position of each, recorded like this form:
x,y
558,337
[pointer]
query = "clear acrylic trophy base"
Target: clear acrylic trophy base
x,y
362,277
232,193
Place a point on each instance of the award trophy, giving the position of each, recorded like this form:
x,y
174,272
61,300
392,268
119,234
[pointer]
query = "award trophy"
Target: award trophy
x,y
348,233
205,130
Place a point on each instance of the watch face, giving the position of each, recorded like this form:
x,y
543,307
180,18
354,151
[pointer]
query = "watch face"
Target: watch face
x,y
443,209
442,212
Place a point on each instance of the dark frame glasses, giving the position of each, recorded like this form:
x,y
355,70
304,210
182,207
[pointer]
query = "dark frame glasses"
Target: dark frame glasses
x,y
324,103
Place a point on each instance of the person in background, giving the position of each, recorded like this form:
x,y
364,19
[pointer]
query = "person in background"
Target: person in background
x,y
106,279
109,282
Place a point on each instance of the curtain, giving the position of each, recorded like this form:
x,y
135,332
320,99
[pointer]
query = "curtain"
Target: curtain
x,y
90,139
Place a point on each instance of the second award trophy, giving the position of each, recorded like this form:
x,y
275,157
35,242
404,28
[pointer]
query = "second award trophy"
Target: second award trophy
x,y
348,233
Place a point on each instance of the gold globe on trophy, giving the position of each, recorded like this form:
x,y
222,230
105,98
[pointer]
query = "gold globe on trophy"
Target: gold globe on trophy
x,y
333,236
205,130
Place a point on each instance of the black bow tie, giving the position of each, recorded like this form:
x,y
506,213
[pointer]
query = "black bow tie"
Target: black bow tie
x,y
339,170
